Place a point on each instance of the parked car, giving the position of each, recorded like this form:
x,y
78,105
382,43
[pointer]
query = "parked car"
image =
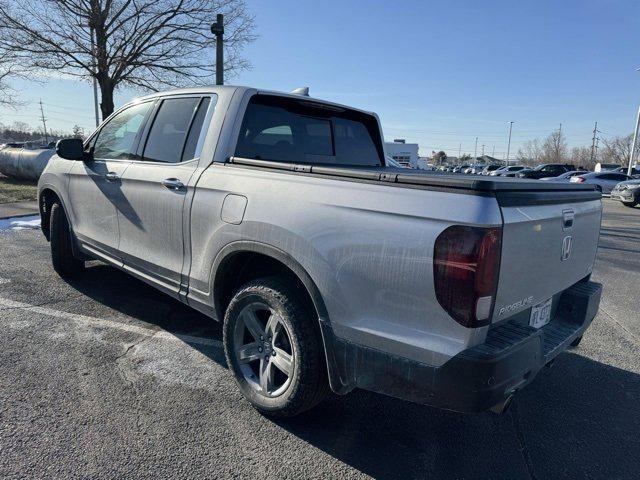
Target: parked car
x,y
565,177
488,169
634,170
275,214
604,182
504,169
627,192
603,167
460,168
512,171
547,170
475,169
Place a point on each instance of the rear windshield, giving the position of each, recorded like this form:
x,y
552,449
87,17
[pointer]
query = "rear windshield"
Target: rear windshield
x,y
302,131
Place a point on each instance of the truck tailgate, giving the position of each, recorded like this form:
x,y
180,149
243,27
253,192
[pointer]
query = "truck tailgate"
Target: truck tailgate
x,y
549,243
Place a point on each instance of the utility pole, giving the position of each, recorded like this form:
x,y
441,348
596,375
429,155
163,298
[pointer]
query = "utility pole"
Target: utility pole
x,y
217,29
634,145
493,153
558,144
459,149
483,149
594,143
44,123
95,82
509,144
475,151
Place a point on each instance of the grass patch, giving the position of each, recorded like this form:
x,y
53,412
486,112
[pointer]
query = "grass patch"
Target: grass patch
x,y
13,190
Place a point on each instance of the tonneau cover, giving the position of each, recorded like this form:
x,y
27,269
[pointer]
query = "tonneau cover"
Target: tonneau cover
x,y
424,178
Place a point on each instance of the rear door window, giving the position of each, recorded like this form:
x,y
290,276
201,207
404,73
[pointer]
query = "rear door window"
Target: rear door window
x,y
168,133
301,131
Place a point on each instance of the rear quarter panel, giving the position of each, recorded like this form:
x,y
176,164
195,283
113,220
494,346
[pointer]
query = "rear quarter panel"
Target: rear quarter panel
x,y
368,248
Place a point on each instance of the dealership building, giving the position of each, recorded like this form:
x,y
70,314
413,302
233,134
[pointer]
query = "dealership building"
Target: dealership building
x,y
403,152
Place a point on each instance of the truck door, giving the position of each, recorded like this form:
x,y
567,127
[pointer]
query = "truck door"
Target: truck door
x,y
155,187
95,186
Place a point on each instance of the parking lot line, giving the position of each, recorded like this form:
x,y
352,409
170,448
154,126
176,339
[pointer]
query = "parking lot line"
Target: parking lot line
x,y
103,322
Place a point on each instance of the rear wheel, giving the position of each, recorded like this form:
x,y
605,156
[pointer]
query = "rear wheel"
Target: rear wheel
x,y
274,349
64,263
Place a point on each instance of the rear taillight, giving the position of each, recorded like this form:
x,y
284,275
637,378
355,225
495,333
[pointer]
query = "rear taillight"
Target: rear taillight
x,y
577,179
466,264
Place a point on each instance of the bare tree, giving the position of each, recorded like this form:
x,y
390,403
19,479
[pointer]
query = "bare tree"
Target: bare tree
x,y
150,44
581,157
554,148
616,150
530,153
9,69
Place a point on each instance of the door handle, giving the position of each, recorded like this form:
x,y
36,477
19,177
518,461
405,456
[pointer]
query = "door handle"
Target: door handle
x,y
173,184
112,177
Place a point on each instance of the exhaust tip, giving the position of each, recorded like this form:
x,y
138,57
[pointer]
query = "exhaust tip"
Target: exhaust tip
x,y
503,406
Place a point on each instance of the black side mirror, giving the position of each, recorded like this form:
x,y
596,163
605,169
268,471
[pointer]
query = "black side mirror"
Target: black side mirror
x,y
71,149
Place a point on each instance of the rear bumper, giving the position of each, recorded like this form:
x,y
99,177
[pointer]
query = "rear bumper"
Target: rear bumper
x,y
478,378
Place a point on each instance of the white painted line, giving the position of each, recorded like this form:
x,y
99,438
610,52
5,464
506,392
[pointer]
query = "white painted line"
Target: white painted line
x,y
103,322
4,280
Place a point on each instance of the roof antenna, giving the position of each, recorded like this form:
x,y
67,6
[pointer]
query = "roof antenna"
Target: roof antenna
x,y
301,91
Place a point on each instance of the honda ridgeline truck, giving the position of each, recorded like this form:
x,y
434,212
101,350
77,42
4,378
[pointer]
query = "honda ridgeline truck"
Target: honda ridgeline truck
x,y
276,214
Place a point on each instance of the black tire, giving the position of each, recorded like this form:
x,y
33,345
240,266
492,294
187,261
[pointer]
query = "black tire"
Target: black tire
x,y
630,204
599,188
64,263
308,382
576,342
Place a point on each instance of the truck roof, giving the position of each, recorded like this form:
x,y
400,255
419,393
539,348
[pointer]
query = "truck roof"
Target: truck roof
x,y
230,89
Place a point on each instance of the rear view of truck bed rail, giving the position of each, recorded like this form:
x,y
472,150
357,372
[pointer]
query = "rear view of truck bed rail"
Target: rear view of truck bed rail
x,y
504,187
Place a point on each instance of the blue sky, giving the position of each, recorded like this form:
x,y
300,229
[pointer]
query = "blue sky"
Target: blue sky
x,y
437,73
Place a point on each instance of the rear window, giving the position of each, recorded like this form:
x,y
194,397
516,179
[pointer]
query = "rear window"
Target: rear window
x,y
302,131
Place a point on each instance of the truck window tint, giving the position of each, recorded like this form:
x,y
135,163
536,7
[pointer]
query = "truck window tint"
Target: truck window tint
x,y
169,130
289,130
116,139
195,130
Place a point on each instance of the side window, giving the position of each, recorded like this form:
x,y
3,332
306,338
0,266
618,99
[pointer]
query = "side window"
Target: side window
x,y
169,131
116,139
195,130
617,176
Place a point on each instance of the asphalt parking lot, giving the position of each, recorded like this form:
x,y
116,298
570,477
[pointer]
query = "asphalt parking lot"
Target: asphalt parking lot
x,y
104,377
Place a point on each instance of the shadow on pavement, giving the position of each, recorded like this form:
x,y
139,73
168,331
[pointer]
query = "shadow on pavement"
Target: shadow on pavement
x,y
578,420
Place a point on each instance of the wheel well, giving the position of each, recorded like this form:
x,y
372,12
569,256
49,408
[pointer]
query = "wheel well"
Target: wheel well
x,y
47,197
242,267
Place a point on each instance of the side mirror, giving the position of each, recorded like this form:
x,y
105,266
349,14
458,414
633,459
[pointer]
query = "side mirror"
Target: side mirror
x,y
71,149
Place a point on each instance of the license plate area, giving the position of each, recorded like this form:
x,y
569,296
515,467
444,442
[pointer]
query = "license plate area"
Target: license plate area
x,y
540,314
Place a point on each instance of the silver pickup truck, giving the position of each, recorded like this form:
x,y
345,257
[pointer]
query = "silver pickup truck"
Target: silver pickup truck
x,y
277,215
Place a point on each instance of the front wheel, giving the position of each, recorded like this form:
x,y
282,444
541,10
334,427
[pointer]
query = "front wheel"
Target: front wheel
x,y
64,263
630,204
273,348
